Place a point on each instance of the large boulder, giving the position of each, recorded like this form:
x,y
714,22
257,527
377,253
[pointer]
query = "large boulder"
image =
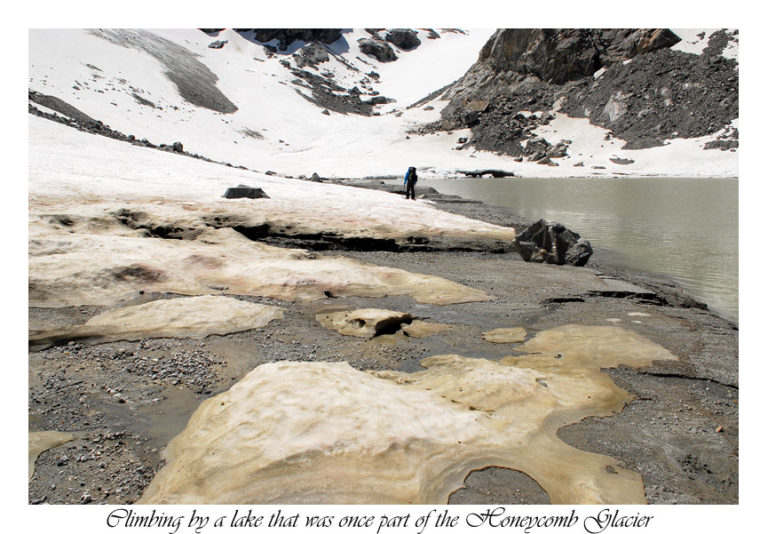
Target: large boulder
x,y
403,39
378,49
311,54
545,242
244,191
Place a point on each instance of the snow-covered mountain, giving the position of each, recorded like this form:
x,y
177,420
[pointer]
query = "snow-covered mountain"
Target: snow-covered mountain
x,y
349,107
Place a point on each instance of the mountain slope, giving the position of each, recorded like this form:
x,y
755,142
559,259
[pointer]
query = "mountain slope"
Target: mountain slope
x,y
297,108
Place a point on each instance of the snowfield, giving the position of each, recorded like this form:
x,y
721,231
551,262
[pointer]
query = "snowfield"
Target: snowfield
x,y
122,78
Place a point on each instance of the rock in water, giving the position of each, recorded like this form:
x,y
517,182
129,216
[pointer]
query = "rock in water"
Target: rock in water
x,y
545,242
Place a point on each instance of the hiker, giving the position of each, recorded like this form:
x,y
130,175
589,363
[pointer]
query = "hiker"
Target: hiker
x,y
410,183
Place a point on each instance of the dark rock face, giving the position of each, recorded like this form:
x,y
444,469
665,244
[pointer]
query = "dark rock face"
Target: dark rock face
x,y
557,56
660,94
545,242
217,45
243,191
287,37
403,39
378,49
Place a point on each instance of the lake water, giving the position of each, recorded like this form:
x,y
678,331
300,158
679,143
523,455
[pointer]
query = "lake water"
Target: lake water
x,y
684,228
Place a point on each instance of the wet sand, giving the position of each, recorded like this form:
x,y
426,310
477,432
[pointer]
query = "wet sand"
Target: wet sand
x,y
123,401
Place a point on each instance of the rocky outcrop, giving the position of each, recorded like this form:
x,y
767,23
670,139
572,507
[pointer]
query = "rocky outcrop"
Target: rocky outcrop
x,y
403,39
378,49
545,242
287,37
628,81
560,55
311,55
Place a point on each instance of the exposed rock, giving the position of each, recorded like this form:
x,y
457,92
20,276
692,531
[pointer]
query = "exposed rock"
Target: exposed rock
x,y
217,44
545,242
621,161
557,56
646,93
311,55
287,37
560,150
378,49
244,191
403,39
369,322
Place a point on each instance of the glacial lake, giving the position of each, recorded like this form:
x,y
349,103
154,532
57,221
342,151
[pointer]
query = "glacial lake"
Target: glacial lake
x,y
684,228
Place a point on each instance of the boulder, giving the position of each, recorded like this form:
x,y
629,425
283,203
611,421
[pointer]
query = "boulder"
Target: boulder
x,y
378,49
536,148
560,150
311,54
545,242
403,39
244,191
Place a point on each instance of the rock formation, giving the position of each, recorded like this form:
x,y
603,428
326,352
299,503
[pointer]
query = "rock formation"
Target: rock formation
x,y
545,242
628,81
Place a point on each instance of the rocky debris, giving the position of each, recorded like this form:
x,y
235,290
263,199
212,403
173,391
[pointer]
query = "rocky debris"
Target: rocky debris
x,y
368,322
143,101
58,105
244,191
42,441
404,39
97,127
378,49
329,95
660,96
645,94
432,34
287,37
621,161
545,242
729,140
217,45
377,100
311,55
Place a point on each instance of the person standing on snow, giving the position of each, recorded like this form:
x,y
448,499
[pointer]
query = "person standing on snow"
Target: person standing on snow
x,y
410,183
